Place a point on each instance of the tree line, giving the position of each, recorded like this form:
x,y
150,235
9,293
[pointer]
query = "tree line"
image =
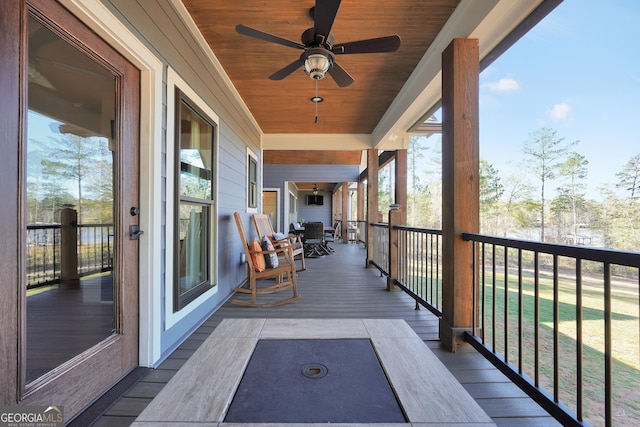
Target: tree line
x,y
69,171
546,200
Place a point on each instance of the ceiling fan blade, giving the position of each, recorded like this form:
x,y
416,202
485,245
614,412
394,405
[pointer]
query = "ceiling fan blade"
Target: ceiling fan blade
x,y
279,75
377,45
261,35
324,15
340,75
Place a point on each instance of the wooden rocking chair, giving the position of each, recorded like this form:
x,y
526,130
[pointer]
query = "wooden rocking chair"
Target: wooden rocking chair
x,y
284,273
264,228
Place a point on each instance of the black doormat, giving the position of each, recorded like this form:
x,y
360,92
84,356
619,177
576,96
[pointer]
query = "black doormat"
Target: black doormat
x,y
314,381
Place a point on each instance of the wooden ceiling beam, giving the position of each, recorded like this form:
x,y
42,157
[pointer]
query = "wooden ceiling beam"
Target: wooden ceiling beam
x,y
311,157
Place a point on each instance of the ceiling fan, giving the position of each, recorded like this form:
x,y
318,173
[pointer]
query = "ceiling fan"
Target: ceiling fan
x,y
319,56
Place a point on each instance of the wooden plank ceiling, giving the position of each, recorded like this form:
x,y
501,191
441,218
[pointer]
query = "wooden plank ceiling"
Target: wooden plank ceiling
x,y
284,106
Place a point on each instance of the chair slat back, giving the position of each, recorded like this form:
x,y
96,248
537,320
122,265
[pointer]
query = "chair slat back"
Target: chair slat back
x,y
245,244
263,225
313,230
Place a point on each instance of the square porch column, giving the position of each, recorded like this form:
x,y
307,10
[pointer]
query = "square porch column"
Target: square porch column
x,y
345,212
460,186
401,184
372,199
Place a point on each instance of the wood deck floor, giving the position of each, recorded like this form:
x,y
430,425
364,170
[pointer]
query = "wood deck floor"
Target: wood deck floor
x,y
338,286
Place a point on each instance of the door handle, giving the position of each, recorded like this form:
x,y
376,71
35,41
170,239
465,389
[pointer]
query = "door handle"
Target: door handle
x,y
135,232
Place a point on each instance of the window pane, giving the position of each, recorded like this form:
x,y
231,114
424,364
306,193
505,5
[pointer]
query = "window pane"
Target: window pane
x,y
196,144
70,202
253,169
194,246
194,207
253,183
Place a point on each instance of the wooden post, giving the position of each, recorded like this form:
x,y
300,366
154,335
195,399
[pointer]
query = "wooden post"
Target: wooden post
x,y
360,201
345,211
460,186
401,184
395,218
69,278
360,216
337,199
372,198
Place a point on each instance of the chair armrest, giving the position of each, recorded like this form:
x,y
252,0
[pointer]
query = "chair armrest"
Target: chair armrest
x,y
278,250
290,240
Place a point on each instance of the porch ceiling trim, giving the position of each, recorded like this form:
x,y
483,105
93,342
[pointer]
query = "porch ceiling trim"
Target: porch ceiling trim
x,y
316,141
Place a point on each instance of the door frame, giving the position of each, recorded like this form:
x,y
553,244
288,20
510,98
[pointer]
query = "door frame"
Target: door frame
x,y
11,266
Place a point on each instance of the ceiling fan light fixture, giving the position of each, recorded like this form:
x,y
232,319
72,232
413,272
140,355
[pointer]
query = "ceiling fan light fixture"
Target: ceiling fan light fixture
x,y
316,65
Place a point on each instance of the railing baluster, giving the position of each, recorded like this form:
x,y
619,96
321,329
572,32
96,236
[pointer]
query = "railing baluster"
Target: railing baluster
x,y
520,320
506,304
429,246
579,348
474,289
438,265
556,333
493,297
536,317
608,371
418,262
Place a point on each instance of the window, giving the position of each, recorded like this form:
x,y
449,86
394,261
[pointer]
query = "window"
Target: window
x,y
252,181
194,176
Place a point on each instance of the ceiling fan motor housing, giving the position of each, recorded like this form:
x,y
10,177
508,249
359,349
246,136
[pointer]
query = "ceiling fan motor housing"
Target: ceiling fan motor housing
x,y
317,61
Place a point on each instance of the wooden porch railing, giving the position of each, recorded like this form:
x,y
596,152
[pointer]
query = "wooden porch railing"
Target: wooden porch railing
x,y
562,322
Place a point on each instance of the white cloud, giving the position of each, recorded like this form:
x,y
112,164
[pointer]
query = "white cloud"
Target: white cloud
x,y
506,84
559,111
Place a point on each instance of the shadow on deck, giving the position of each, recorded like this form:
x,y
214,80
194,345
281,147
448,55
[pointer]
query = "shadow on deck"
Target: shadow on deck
x,y
338,286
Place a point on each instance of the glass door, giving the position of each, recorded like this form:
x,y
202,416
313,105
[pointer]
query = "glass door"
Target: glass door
x,y
81,190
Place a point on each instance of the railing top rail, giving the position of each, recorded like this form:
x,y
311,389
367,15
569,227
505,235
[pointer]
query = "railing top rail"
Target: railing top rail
x,y
46,226
418,229
379,224
42,226
612,256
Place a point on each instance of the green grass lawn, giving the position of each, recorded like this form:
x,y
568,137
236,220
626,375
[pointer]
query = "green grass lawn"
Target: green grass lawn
x,y
625,338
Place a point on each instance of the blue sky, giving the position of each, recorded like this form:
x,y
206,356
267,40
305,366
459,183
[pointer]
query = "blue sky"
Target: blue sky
x,y
577,72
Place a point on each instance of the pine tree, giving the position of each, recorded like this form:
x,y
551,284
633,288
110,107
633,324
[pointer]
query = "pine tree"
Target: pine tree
x,y
629,177
547,153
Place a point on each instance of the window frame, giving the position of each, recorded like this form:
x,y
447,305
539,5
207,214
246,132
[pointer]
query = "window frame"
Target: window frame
x,y
176,308
182,299
252,157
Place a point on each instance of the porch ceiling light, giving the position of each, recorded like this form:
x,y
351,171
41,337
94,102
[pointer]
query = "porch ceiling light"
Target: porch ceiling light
x,y
316,65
